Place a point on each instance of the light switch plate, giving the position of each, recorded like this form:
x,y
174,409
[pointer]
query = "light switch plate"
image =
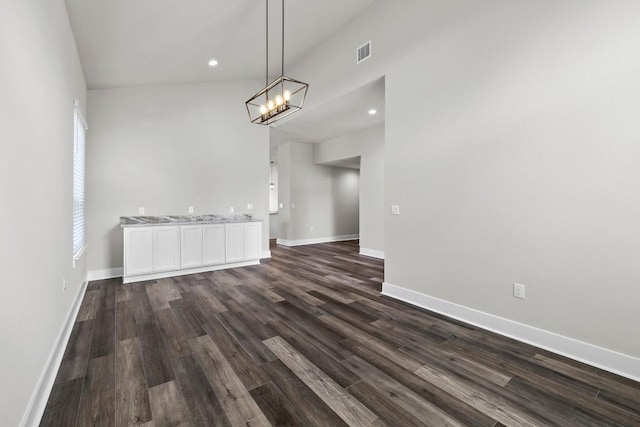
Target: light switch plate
x,y
190,209
395,210
232,209
140,211
250,206
281,205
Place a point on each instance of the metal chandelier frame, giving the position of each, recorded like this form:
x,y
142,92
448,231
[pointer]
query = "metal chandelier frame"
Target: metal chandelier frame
x,y
280,98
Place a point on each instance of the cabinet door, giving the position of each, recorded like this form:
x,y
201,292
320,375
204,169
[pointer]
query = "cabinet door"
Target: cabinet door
x,y
190,246
166,248
234,238
213,246
138,250
252,240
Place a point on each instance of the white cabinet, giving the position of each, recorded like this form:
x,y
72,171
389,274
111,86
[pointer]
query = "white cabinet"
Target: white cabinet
x,y
202,245
190,246
138,250
152,252
213,249
166,250
243,241
252,240
234,242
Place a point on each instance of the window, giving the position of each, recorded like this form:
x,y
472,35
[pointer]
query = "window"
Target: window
x,y
79,229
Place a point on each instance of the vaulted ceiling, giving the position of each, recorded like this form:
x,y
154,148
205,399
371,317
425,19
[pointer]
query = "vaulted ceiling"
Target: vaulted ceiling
x,y
347,114
147,42
127,43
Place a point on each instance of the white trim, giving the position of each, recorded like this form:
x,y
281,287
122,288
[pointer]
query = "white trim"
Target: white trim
x,y
184,272
77,256
372,253
609,360
76,104
317,240
38,402
109,273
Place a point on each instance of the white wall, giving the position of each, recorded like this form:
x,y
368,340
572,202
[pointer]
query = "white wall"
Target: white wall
x,y
369,146
167,148
325,197
273,192
511,147
39,79
526,151
394,27
345,188
273,202
284,191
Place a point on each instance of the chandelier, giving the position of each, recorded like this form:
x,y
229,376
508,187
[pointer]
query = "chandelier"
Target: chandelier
x,y
281,97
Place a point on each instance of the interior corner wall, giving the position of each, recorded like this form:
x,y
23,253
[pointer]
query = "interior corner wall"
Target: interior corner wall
x,y
511,147
41,78
345,190
166,148
369,146
519,163
320,202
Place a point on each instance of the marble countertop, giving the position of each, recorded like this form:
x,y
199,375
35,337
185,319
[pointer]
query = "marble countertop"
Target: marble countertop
x,y
137,221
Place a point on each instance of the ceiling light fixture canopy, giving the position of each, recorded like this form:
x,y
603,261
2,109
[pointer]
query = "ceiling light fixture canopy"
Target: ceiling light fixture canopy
x,y
281,97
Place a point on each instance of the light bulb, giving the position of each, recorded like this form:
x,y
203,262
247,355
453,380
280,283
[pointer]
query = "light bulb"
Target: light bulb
x,y
263,109
287,95
271,105
279,100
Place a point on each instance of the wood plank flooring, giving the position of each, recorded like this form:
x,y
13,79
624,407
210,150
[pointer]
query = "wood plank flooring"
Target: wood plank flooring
x,y
305,339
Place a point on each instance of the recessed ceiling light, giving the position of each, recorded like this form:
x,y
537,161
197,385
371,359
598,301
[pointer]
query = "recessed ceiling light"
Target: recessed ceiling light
x,y
372,111
213,63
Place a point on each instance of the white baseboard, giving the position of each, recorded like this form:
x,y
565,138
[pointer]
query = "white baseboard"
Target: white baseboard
x,y
111,273
108,273
317,240
184,272
372,253
38,402
612,361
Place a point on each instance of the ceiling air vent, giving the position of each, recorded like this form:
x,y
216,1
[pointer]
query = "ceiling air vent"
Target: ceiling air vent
x,y
363,52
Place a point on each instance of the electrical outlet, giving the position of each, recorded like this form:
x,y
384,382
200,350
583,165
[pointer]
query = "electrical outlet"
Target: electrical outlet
x,y
64,285
250,206
190,209
232,209
140,211
518,290
281,205
395,210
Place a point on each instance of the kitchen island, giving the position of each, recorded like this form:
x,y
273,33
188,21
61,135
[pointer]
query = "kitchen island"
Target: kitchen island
x,y
172,245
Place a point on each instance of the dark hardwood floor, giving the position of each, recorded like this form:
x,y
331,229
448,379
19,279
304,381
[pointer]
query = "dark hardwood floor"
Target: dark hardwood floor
x,y
306,339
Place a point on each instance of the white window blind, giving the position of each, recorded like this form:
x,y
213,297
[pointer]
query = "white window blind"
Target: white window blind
x,y
79,229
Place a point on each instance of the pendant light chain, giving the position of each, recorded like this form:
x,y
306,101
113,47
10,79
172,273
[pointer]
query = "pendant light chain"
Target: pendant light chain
x,y
282,65
266,61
